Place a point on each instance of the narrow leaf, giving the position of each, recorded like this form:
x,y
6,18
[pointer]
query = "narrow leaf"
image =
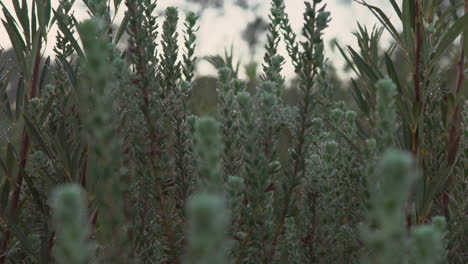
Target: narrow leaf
x,y
392,72
65,30
122,29
19,97
451,36
36,136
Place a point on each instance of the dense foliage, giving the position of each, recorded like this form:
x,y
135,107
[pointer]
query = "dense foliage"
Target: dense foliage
x,y
105,158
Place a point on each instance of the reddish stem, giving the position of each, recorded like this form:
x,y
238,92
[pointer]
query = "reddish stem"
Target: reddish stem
x,y
417,63
454,132
84,170
417,95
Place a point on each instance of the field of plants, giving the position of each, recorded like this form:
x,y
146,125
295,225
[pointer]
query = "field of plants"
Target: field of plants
x,y
115,152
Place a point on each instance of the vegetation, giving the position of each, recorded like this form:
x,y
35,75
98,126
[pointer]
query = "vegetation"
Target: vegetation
x,y
108,158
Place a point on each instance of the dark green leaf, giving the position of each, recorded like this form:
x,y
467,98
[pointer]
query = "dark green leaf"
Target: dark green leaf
x,y
4,196
33,191
66,31
10,161
359,98
43,15
15,38
345,56
382,17
363,67
19,97
17,231
35,135
46,109
45,71
407,21
392,72
451,36
71,73
22,14
122,29
396,8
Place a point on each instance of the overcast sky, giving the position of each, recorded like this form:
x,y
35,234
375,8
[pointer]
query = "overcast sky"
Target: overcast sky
x,y
220,30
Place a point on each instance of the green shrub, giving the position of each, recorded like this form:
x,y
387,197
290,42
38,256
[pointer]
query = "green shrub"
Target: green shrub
x,y
273,173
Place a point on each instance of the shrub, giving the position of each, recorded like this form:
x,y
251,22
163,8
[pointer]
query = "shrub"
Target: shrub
x,y
260,180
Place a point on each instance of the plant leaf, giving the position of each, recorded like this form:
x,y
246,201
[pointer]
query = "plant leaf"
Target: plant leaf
x,y
392,72
64,29
36,136
15,38
19,97
450,36
122,29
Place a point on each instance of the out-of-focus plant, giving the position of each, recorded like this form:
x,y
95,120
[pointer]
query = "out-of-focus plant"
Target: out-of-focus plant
x,y
262,180
70,217
428,119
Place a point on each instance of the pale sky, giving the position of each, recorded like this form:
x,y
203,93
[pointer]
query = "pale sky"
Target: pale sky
x,y
220,30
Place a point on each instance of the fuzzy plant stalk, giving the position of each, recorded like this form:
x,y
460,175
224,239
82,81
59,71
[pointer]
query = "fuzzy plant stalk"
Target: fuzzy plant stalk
x,y
227,89
272,61
308,60
183,145
143,57
265,183
270,120
208,225
190,39
179,114
333,192
386,234
70,218
176,92
170,68
258,176
208,149
386,112
387,124
428,242
102,71
207,212
166,138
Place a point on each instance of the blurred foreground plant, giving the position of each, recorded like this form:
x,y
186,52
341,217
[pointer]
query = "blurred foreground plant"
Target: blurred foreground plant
x,y
260,181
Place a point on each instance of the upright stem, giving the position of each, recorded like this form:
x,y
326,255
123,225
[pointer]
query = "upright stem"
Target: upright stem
x,y
416,77
417,63
298,166
454,132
